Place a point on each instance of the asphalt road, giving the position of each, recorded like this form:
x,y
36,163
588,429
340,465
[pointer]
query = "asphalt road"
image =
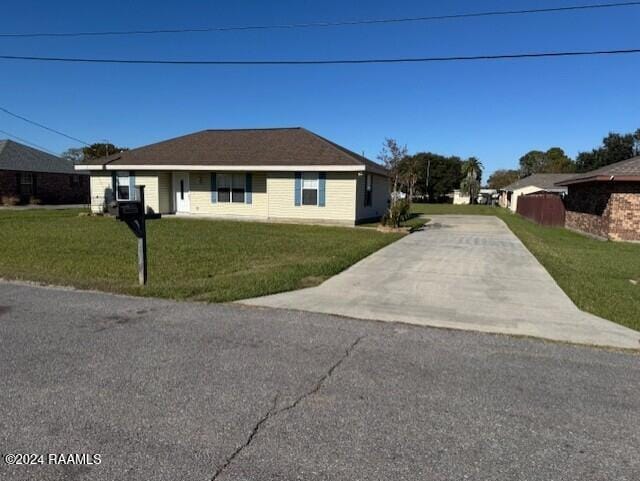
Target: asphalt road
x,y
182,391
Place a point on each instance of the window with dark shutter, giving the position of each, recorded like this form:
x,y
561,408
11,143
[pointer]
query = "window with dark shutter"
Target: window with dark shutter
x,y
310,188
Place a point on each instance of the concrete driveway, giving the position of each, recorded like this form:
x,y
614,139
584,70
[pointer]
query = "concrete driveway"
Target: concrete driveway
x,y
461,272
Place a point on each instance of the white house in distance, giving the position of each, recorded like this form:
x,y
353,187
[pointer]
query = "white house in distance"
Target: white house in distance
x,y
281,174
530,185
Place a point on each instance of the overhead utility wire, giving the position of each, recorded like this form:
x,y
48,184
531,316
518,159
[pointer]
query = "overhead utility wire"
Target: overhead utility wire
x,y
28,142
321,62
341,23
43,126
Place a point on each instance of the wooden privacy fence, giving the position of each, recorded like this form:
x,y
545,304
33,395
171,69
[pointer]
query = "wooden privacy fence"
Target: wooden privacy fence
x,y
544,209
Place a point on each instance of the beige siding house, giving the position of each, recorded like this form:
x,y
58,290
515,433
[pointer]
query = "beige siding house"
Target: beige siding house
x,y
282,175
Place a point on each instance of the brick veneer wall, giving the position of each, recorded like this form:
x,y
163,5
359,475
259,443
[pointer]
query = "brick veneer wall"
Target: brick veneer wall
x,y
610,210
49,188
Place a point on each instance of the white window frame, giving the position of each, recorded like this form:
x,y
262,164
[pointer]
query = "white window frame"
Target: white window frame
x,y
238,179
310,181
120,176
232,181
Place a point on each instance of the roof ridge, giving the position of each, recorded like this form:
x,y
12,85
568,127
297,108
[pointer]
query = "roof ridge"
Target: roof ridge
x,y
252,128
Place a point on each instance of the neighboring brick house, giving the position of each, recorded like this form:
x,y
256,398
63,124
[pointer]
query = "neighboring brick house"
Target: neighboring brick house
x,y
606,202
30,175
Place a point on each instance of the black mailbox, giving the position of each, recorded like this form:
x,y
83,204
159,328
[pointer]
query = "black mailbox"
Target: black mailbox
x,y
129,209
132,213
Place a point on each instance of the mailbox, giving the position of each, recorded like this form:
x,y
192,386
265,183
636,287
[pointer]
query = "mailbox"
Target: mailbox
x,y
132,213
129,209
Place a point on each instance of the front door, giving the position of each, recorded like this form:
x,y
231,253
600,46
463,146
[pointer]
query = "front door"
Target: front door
x,y
181,189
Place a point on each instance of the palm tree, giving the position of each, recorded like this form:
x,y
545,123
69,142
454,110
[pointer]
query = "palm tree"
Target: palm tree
x,y
470,185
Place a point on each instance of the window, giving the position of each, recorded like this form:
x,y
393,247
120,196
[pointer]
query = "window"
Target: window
x,y
122,186
238,188
26,183
231,187
368,189
310,188
74,179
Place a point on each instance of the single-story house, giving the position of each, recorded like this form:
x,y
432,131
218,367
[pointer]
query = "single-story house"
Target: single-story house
x,y
29,175
529,185
279,174
606,202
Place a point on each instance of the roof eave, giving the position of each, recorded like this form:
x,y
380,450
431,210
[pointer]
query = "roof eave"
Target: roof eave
x,y
600,178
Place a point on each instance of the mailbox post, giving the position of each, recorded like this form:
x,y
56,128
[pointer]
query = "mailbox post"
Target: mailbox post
x,y
132,212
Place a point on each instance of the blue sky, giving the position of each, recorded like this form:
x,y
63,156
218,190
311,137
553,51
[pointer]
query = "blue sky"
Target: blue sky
x,y
494,110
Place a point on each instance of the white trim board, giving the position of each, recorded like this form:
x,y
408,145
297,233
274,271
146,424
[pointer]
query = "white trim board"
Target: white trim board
x,y
242,168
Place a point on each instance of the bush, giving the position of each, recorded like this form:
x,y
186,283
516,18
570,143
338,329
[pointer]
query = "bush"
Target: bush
x,y
34,201
397,213
9,200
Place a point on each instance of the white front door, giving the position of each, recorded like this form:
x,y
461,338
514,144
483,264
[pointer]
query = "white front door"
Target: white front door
x,y
181,189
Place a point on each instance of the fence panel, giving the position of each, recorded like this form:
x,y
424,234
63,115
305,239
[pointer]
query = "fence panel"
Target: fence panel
x,y
544,209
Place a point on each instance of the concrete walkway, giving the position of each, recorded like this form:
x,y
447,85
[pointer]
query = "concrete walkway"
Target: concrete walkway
x,y
461,272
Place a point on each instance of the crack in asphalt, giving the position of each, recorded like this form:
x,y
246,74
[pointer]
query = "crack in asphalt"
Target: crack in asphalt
x,y
272,412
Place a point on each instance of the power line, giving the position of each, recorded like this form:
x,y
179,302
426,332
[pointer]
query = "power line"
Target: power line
x,y
324,62
28,142
43,126
341,23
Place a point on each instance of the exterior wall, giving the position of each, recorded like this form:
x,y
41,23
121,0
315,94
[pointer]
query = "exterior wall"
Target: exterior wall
x,y
200,198
513,205
102,190
272,197
340,206
379,197
459,199
49,188
609,210
624,224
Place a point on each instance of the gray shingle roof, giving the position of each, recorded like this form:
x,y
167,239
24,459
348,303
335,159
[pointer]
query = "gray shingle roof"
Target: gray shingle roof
x,y
15,156
542,181
265,147
625,168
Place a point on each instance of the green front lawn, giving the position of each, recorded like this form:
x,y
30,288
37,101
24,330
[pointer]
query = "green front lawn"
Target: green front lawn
x,y
598,276
188,259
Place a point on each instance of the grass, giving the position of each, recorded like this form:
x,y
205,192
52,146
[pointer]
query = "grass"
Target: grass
x,y
188,259
595,274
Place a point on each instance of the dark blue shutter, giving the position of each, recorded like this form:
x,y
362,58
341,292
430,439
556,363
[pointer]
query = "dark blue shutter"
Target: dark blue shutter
x,y
114,186
214,188
298,189
132,185
322,181
248,188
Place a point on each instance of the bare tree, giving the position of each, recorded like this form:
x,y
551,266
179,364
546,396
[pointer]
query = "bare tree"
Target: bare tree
x,y
391,156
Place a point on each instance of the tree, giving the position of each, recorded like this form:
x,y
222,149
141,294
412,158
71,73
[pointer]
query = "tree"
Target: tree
x,y
73,155
553,161
472,172
532,162
442,174
502,178
98,150
391,156
614,148
557,162
409,168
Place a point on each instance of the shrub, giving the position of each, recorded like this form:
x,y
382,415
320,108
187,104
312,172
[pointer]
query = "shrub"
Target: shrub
x,y
397,213
9,200
34,200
